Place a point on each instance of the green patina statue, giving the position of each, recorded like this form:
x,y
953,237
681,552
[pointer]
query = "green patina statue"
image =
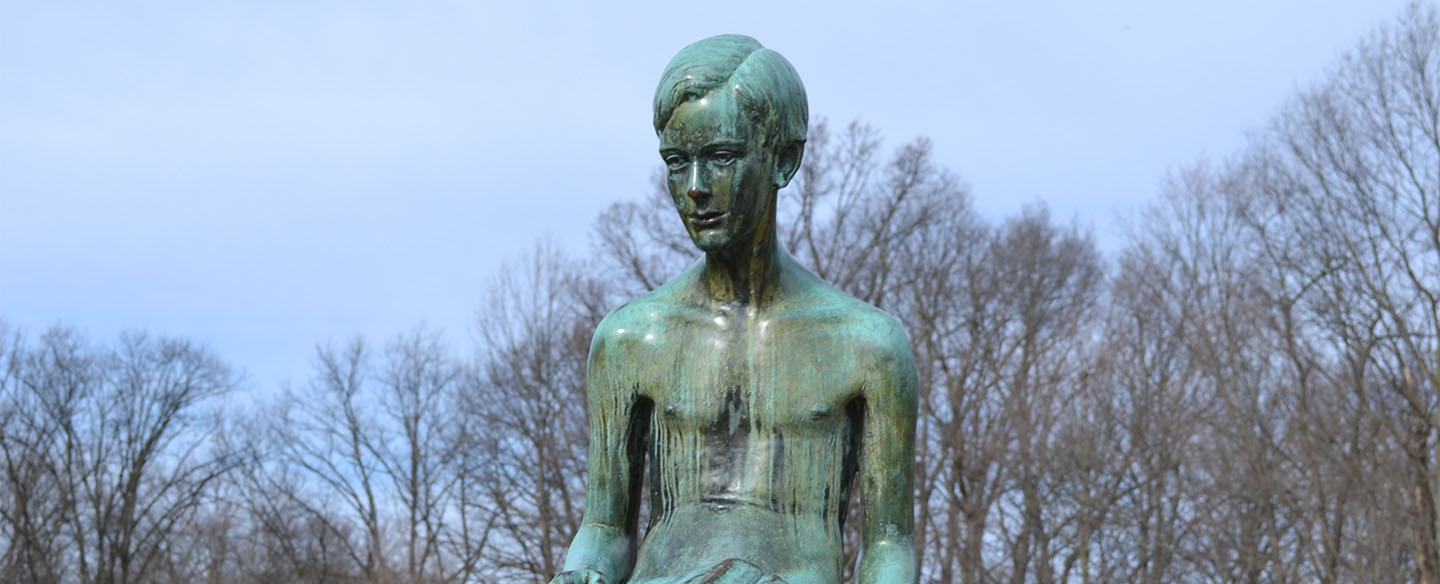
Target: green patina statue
x,y
757,389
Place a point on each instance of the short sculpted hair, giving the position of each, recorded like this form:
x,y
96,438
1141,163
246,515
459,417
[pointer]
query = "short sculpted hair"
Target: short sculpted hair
x,y
766,87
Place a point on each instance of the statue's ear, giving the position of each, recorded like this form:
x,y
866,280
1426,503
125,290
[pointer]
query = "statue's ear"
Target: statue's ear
x,y
787,161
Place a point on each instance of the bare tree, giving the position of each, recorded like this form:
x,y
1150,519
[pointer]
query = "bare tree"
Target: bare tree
x,y
361,476
34,515
107,453
1343,194
524,412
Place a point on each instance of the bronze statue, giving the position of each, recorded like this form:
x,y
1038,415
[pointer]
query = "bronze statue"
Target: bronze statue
x,y
757,389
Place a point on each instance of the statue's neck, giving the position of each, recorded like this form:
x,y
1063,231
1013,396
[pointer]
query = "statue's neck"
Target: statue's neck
x,y
747,274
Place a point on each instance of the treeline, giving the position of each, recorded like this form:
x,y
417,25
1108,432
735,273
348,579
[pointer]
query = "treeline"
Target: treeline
x,y
1244,391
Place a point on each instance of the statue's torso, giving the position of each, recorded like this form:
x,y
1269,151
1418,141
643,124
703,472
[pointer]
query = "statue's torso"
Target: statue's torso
x,y
753,424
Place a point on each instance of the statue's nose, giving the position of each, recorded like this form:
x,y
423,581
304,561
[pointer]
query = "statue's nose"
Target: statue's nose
x,y
698,184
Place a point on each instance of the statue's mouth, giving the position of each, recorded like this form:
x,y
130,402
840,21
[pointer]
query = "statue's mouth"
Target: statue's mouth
x,y
708,219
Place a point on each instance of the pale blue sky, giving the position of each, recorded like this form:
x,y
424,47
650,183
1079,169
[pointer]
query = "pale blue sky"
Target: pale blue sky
x,y
263,176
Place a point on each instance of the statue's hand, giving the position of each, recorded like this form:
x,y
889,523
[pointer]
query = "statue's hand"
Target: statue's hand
x,y
585,576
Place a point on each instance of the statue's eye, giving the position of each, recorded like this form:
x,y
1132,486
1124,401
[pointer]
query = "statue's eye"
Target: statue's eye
x,y
675,161
725,157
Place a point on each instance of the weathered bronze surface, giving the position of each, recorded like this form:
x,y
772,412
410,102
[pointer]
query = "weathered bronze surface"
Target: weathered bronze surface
x,y
756,389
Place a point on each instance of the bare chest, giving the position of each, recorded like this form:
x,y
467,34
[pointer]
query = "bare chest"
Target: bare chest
x,y
715,380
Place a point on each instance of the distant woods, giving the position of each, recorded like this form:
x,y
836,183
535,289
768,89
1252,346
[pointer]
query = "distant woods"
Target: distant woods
x,y
1244,391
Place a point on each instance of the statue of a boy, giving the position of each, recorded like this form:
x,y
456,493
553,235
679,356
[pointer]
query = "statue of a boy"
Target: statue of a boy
x,y
757,389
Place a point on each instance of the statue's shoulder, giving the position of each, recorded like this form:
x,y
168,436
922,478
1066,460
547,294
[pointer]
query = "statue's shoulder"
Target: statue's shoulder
x,y
646,316
866,326
880,347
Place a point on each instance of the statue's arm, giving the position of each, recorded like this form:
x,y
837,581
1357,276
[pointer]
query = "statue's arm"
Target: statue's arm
x,y
887,459
606,541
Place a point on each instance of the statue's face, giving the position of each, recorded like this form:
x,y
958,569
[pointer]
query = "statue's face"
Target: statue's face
x,y
720,176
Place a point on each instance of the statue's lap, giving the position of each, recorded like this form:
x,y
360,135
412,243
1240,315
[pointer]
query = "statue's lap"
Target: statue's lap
x,y
700,544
